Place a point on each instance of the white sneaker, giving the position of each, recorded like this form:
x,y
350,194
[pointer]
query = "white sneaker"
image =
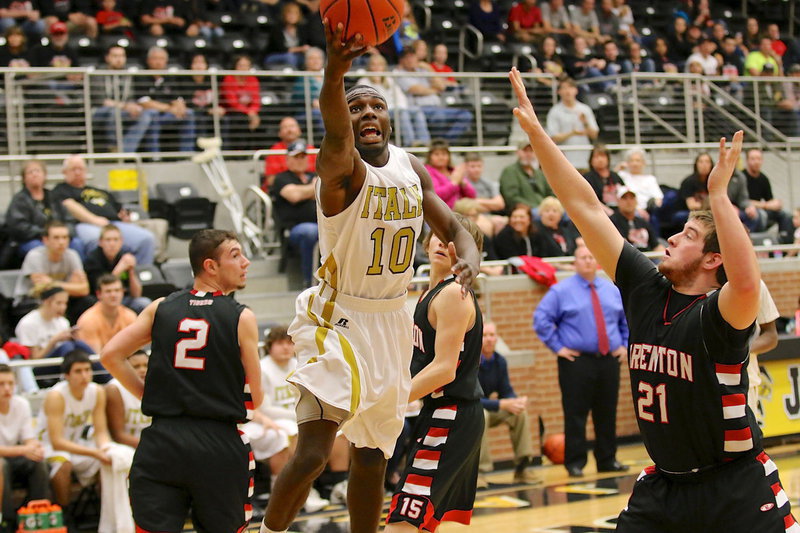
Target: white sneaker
x,y
339,493
314,502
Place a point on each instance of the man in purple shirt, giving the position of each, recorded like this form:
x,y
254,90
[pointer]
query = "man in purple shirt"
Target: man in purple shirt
x,y
582,321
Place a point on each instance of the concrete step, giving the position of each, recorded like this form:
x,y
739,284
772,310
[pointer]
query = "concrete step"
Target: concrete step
x,y
276,283
276,307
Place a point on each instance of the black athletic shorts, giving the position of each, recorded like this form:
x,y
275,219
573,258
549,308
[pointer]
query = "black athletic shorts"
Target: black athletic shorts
x,y
743,496
441,473
191,463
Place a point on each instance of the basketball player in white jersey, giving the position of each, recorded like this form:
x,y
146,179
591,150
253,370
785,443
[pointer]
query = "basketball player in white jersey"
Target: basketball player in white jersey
x,y
69,409
123,409
353,333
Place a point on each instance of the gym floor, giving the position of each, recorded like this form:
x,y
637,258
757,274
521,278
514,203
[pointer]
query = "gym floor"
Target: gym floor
x,y
560,505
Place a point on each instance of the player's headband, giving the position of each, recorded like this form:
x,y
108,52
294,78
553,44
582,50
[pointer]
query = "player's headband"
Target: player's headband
x,y
361,91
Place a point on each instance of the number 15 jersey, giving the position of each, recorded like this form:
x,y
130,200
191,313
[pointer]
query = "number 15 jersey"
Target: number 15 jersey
x,y
195,366
368,249
688,371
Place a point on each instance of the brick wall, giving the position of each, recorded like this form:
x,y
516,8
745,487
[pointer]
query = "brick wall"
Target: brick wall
x,y
509,301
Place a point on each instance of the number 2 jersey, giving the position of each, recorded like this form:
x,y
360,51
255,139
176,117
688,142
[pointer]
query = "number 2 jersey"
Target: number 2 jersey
x,y
688,371
195,367
368,249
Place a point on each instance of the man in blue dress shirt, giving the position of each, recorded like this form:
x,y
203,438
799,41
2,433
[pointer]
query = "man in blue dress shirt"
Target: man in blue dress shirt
x,y
582,321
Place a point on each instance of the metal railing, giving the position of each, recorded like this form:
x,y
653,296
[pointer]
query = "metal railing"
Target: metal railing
x,y
48,110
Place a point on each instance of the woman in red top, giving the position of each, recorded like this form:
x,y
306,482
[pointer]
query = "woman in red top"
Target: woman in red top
x,y
241,98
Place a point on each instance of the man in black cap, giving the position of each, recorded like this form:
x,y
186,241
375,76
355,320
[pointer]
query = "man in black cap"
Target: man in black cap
x,y
296,209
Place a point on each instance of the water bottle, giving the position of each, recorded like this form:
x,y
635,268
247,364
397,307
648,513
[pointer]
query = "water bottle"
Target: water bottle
x,y
56,517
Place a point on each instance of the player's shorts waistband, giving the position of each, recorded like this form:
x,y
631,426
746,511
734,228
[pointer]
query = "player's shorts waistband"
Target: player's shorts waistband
x,y
356,303
695,476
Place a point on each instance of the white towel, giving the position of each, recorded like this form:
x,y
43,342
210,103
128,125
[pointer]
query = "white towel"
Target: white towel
x,y
115,506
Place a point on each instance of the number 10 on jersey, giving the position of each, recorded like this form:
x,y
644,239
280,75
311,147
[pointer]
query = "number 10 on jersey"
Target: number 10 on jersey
x,y
400,253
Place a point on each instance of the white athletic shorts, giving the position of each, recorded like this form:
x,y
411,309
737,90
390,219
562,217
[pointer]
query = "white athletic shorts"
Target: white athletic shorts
x,y
265,442
354,354
84,467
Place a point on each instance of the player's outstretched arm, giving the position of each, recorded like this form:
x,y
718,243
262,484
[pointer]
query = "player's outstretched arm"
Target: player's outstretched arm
x,y
441,220
248,349
452,316
115,353
570,187
339,164
739,299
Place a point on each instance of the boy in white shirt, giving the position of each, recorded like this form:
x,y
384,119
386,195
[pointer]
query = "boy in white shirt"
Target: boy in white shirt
x,y
21,455
73,428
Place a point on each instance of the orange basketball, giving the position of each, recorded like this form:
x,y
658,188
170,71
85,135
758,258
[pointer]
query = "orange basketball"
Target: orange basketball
x,y
553,448
375,20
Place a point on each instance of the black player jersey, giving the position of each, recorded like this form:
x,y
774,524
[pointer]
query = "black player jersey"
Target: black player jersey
x,y
688,371
465,386
195,365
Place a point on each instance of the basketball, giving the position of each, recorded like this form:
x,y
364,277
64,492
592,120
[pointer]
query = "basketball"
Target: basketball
x,y
375,20
553,448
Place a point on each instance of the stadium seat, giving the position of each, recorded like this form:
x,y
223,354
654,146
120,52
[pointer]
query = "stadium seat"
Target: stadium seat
x,y
178,273
154,285
187,211
234,43
8,280
126,197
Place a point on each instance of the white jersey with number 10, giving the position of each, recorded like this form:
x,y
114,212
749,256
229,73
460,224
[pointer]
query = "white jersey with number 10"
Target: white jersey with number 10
x,y
368,249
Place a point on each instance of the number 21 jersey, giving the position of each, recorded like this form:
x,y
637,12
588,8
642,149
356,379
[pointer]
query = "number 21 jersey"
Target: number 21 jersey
x,y
195,366
688,371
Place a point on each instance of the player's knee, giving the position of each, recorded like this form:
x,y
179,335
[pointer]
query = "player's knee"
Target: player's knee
x,y
310,461
367,459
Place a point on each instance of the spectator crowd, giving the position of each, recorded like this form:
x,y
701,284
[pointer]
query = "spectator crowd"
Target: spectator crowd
x,y
81,251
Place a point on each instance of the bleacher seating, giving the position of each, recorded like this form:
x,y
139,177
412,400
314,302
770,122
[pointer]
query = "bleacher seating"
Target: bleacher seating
x,y
187,211
154,285
178,273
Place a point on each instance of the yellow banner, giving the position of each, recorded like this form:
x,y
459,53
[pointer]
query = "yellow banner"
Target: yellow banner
x,y
779,397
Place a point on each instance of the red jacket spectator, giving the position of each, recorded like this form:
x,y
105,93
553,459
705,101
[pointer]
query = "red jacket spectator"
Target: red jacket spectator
x,y
241,94
275,164
527,15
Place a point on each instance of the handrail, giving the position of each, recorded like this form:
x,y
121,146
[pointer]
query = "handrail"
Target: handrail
x,y
421,273
462,44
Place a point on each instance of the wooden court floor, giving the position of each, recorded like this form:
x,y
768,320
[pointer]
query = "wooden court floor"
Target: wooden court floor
x,y
560,505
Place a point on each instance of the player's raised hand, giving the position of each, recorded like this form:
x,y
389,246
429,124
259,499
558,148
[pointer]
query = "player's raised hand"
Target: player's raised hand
x,y
726,163
342,53
465,273
524,111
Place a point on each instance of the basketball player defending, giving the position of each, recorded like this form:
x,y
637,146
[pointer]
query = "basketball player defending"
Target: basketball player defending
x,y
441,474
690,321
203,378
352,333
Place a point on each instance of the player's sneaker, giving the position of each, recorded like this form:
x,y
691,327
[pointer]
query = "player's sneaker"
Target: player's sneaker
x,y
314,502
339,493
